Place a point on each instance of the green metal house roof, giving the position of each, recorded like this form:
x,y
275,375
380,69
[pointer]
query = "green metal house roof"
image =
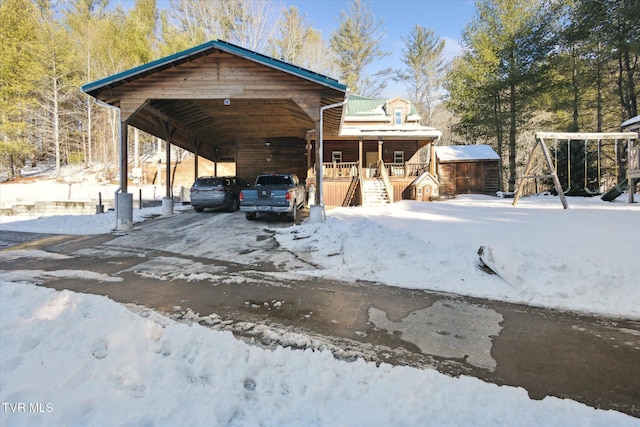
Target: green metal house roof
x,y
362,106
204,49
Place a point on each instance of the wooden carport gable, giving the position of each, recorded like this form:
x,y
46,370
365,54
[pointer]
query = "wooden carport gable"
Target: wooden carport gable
x,y
208,98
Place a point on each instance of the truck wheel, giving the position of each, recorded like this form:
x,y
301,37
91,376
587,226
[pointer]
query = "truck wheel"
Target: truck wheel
x,y
250,216
197,209
291,217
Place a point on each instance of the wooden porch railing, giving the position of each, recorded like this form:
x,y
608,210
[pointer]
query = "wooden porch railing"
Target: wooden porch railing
x,y
338,170
351,169
406,169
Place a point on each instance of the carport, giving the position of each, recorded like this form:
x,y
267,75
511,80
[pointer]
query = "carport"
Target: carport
x,y
222,102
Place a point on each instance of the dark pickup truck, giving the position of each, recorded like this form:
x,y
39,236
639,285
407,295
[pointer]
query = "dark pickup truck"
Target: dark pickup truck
x,y
273,194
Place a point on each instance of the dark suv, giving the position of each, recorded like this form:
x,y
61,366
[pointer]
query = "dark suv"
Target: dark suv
x,y
216,192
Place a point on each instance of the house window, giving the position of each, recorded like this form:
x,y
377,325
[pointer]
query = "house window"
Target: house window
x,y
397,116
398,157
336,156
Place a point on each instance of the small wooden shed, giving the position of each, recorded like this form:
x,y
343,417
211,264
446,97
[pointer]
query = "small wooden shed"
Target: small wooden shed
x,y
467,169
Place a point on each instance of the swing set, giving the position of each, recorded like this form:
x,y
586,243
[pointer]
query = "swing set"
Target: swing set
x,y
541,137
600,184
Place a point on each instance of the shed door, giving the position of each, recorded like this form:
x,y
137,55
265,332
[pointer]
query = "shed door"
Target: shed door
x,y
469,178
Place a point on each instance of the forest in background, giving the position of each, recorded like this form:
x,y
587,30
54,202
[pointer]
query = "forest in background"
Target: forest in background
x,y
526,65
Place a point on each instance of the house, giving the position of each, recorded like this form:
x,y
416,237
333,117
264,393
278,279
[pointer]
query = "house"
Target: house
x,y
228,104
467,169
381,148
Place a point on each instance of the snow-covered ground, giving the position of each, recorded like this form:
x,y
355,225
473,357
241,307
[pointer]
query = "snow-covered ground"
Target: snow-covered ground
x,y
73,359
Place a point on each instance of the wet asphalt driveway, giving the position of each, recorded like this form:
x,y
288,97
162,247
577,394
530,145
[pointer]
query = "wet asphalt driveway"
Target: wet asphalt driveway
x,y
255,293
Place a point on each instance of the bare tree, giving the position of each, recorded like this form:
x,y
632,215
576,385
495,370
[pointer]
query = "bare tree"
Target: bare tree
x,y
248,23
299,44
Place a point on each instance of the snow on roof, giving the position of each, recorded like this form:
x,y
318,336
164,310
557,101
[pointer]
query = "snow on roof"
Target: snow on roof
x,y
392,132
466,152
632,121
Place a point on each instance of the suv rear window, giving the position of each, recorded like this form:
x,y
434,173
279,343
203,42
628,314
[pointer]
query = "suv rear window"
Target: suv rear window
x,y
208,182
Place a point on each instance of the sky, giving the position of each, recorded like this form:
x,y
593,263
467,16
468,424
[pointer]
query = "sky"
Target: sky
x,y
157,371
447,18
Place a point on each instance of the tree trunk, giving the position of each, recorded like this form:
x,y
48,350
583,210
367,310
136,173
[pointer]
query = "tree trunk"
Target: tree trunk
x,y
56,126
575,125
497,109
512,137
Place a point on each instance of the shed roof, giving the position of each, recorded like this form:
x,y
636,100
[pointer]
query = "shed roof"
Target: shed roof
x,y
632,123
466,153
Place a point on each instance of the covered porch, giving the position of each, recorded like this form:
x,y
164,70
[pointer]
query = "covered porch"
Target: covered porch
x,y
376,165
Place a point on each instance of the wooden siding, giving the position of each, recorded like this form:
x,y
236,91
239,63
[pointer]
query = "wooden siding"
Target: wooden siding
x,y
350,149
186,104
491,173
446,177
335,190
400,186
282,155
480,177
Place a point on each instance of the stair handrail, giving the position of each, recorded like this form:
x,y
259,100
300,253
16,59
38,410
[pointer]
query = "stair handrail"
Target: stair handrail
x,y
350,192
361,182
382,172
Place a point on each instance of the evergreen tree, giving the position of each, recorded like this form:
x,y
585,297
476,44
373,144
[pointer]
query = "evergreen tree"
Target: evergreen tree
x,y
502,71
20,73
424,62
616,24
356,43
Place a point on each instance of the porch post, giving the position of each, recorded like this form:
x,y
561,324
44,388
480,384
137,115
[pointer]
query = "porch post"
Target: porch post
x,y
124,155
308,147
167,200
360,152
195,161
167,175
432,159
123,200
319,160
380,150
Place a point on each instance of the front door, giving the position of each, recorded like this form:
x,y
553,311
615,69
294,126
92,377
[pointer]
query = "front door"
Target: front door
x,y
371,163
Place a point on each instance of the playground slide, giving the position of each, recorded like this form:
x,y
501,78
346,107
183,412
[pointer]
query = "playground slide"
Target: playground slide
x,y
615,191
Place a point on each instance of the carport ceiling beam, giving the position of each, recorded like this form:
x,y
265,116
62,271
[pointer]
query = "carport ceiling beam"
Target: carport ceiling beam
x,y
164,118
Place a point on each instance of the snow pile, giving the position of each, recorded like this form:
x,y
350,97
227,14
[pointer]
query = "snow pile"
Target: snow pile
x,y
75,359
583,258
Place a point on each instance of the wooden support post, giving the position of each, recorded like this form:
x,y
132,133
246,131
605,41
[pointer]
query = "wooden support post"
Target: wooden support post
x,y
552,173
167,149
124,155
196,150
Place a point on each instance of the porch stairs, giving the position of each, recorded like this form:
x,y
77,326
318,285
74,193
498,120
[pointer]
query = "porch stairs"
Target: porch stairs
x,y
374,193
